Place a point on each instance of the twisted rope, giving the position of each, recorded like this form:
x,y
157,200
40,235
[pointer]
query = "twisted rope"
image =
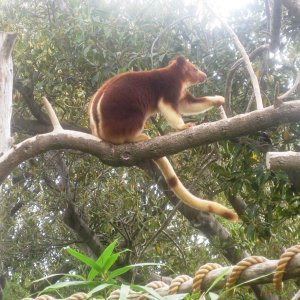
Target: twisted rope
x,y
195,285
241,267
77,296
177,282
200,275
153,285
284,259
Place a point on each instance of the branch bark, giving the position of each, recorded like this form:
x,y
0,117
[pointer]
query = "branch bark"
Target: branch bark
x,y
287,161
276,24
131,154
6,82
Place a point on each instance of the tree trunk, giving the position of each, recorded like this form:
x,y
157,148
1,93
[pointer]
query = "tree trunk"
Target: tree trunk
x,y
6,82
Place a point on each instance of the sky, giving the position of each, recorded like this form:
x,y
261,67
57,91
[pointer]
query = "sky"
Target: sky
x,y
227,6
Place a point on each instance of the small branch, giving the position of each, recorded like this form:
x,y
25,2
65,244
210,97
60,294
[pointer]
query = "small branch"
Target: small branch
x,y
28,96
277,102
52,115
162,227
161,34
287,161
236,65
292,89
222,112
297,296
246,59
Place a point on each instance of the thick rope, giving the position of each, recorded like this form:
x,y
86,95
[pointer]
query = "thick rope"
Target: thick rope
x,y
77,296
177,282
239,268
284,259
153,285
200,275
195,285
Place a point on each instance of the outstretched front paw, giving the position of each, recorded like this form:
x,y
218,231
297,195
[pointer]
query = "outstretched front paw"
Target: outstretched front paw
x,y
218,100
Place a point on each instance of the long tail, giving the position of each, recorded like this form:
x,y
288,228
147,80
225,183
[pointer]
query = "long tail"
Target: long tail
x,y
188,198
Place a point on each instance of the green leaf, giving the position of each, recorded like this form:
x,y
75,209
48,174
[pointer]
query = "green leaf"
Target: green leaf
x,y
219,278
59,274
98,289
124,291
85,259
60,285
148,290
213,296
118,272
106,253
123,270
105,259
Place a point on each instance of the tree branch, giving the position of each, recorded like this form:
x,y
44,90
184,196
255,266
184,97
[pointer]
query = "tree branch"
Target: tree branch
x,y
292,89
287,161
246,60
131,154
229,79
276,24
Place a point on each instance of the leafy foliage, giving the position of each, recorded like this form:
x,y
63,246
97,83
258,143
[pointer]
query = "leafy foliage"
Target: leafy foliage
x,y
65,50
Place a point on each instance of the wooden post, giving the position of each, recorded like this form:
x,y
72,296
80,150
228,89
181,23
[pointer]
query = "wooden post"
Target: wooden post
x,y
7,40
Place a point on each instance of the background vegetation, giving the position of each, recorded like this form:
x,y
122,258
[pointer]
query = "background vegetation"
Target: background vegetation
x,y
65,50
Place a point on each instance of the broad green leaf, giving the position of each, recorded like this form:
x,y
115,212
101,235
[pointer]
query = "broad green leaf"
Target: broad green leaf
x,y
98,289
85,259
106,254
118,272
148,290
213,296
60,285
124,291
222,274
105,260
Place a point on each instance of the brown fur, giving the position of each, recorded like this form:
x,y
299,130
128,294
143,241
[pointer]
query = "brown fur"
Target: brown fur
x,y
119,109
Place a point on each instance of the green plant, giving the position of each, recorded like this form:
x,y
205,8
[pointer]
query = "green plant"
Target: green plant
x,y
101,276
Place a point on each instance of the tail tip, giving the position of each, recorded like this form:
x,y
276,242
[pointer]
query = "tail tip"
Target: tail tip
x,y
231,216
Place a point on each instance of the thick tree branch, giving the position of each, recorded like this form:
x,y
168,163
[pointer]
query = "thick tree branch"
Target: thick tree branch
x,y
7,40
33,127
130,154
287,161
42,119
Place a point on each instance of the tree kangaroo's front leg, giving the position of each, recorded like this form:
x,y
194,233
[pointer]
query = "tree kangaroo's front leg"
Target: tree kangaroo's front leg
x,y
190,105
